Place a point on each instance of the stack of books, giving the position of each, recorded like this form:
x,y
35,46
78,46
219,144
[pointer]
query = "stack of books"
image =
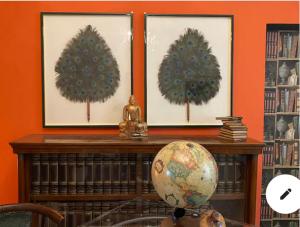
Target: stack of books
x,y
233,129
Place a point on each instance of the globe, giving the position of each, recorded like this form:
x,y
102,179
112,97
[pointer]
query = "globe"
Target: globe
x,y
184,174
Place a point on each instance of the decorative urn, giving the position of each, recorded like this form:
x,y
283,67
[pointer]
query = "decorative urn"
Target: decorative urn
x,y
281,126
283,72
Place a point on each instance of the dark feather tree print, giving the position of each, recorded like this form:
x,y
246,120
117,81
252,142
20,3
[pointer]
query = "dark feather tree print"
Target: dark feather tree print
x,y
86,70
189,73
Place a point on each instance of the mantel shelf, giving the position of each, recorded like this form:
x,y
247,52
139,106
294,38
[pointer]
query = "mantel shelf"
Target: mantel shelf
x,y
112,143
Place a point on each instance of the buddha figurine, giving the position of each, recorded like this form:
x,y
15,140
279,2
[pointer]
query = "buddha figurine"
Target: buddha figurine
x,y
132,125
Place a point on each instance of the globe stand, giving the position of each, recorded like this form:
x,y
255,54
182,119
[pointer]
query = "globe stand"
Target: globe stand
x,y
209,218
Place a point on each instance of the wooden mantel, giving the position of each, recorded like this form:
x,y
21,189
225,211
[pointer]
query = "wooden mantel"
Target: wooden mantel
x,y
31,145
111,143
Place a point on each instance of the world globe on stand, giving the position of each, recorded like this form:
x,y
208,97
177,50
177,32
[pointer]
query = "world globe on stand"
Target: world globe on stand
x,y
184,174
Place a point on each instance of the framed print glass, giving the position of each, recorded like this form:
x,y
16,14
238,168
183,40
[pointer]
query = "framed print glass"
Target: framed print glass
x,y
87,68
188,69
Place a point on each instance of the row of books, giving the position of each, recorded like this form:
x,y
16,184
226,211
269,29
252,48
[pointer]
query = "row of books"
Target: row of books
x,y
268,152
233,129
272,44
79,213
286,154
268,157
83,173
265,210
288,45
267,176
113,173
287,100
146,169
284,43
292,215
286,224
231,173
270,101
294,172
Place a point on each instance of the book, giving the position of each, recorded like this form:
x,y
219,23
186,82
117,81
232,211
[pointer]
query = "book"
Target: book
x,y
132,172
238,173
53,174
44,174
124,173
35,176
296,154
106,173
97,174
62,174
229,174
221,162
89,173
115,174
146,173
71,181
80,175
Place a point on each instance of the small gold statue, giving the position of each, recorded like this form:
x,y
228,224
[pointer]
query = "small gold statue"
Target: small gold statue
x,y
132,125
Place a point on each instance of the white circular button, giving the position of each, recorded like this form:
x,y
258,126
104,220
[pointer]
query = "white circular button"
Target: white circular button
x,y
283,194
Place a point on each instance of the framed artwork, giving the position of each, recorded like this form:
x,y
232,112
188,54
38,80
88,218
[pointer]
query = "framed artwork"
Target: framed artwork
x,y
86,67
188,69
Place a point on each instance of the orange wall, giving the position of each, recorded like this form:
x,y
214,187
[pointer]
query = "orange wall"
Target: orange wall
x,y
20,66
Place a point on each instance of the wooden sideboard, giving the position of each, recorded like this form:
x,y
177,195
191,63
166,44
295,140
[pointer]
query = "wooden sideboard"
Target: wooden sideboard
x,y
30,146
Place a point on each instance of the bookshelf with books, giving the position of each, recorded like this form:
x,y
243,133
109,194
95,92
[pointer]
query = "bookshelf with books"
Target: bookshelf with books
x,y
281,112
96,170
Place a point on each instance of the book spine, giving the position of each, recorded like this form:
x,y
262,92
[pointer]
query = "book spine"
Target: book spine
x,y
71,221
268,45
71,185
296,154
221,162
53,173
80,175
276,44
44,174
78,213
145,174
62,174
238,173
116,181
282,100
97,174
89,173
290,148
35,181
97,208
124,173
106,174
229,181
132,173
88,212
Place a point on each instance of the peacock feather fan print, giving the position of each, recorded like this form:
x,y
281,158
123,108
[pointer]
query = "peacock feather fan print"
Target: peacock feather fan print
x,y
189,72
87,70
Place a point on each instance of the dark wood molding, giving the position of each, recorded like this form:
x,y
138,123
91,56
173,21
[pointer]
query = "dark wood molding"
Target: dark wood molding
x,y
115,144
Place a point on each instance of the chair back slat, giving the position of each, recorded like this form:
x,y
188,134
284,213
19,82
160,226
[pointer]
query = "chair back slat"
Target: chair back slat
x,y
35,210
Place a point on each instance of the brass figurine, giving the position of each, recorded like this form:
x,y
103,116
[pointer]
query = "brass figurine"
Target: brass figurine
x,y
132,125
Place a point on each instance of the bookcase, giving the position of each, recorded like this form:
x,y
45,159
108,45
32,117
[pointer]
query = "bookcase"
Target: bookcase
x,y
85,175
281,110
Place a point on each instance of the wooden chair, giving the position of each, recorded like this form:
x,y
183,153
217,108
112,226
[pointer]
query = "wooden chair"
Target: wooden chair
x,y
27,215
